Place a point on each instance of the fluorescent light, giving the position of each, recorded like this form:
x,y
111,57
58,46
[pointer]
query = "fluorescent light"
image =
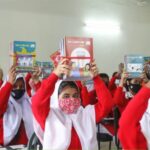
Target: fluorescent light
x,y
103,26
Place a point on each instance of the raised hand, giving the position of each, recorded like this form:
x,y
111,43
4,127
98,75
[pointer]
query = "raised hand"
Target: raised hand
x,y
12,74
93,69
63,68
124,76
36,74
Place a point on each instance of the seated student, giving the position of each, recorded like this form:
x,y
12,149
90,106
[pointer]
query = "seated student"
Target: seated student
x,y
16,125
135,119
1,77
126,90
115,80
131,130
63,122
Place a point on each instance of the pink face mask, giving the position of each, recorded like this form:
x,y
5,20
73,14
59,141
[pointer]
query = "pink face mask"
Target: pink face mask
x,y
69,105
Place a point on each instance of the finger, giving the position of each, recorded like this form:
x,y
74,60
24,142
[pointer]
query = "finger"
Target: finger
x,y
64,60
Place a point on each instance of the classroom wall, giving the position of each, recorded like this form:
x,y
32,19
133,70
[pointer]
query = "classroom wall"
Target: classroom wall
x,y
47,29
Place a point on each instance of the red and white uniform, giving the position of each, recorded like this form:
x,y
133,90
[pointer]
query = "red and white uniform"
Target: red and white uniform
x,y
130,132
16,126
61,131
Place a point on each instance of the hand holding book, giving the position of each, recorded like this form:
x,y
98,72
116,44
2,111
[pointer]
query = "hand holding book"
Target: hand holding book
x,y
63,68
93,69
12,74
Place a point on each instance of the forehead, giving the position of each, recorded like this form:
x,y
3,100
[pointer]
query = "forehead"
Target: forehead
x,y
19,81
136,80
69,90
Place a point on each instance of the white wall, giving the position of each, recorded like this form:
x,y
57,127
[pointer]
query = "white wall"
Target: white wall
x,y
47,29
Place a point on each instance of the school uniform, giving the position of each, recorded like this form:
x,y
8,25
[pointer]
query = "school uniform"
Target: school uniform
x,y
16,125
57,130
130,132
112,86
120,99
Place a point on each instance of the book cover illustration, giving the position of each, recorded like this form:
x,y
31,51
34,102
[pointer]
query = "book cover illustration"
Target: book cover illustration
x,y
80,52
55,57
147,59
147,66
46,67
134,65
23,55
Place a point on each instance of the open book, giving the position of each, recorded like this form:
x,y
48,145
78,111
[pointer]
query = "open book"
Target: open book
x,y
23,55
80,52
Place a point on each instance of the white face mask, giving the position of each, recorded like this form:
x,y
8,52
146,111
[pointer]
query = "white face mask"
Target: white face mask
x,y
128,95
117,81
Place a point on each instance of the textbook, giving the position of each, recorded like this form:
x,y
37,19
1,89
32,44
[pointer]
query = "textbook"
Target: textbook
x,y
55,57
134,65
79,50
46,67
23,55
147,66
147,59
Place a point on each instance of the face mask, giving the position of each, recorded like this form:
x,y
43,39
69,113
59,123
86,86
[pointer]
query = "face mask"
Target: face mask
x,y
128,95
117,81
17,94
69,105
134,87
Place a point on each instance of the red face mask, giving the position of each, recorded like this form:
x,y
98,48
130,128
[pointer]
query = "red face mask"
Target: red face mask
x,y
69,105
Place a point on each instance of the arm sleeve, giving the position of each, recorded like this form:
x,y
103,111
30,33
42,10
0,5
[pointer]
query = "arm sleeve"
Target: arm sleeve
x,y
104,104
85,96
41,100
27,79
119,97
129,131
112,85
4,97
37,86
93,97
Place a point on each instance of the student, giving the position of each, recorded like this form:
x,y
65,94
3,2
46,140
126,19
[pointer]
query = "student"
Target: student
x,y
130,130
135,119
126,90
1,77
60,120
16,125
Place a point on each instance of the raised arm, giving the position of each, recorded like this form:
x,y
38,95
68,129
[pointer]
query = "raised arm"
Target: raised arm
x,y
41,99
119,96
104,104
129,131
6,90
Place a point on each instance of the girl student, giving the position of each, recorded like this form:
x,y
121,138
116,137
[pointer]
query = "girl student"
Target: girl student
x,y
60,121
16,125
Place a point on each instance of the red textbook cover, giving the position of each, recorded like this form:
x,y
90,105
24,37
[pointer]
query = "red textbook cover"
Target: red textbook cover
x,y
55,57
80,52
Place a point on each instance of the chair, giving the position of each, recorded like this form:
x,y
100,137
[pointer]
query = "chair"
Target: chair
x,y
34,143
116,126
103,137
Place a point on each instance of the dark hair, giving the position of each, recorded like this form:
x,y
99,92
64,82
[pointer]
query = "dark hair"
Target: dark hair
x,y
64,84
114,73
104,75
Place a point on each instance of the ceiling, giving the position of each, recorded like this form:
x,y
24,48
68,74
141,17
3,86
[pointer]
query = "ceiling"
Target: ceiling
x,y
125,10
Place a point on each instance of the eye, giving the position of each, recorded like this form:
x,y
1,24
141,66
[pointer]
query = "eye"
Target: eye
x,y
66,96
76,95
